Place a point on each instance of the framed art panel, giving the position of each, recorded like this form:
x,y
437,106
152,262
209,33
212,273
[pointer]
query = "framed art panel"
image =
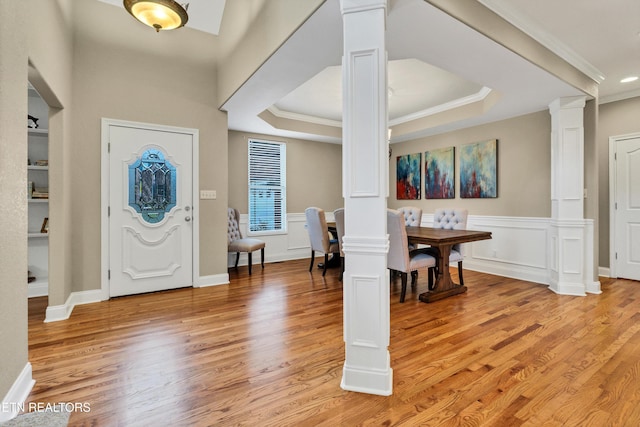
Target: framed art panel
x,y
439,174
408,176
479,170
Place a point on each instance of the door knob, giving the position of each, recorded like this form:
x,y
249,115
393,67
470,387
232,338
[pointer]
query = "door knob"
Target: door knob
x,y
187,218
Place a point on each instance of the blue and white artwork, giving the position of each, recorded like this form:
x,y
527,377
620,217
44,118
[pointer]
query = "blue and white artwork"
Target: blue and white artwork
x,y
408,177
479,170
439,176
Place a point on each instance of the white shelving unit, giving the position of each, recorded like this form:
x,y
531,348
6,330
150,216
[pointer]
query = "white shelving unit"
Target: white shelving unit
x,y
38,149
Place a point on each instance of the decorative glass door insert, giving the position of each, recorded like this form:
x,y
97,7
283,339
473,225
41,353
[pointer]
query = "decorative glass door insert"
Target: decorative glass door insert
x,y
152,185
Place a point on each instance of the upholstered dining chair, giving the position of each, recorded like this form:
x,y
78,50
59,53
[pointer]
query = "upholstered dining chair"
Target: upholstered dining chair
x,y
319,236
399,258
412,218
338,216
237,243
452,219
412,215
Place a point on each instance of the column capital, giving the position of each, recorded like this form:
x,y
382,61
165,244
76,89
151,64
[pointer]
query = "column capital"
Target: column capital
x,y
351,6
566,103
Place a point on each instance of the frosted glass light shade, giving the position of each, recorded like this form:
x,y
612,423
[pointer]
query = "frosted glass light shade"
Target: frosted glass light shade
x,y
158,14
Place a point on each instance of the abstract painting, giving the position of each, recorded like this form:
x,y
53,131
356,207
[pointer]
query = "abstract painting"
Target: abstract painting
x,y
439,178
479,170
408,177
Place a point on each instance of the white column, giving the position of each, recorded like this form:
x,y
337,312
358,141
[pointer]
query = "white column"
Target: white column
x,y
365,190
571,251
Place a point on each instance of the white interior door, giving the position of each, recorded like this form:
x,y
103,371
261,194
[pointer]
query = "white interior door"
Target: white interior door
x,y
150,204
627,208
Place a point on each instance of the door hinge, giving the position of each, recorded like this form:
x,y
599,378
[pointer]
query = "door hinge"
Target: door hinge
x,y
108,210
108,147
615,156
108,274
616,255
616,205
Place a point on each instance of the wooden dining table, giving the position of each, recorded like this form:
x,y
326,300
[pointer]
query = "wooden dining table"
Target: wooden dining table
x,y
442,240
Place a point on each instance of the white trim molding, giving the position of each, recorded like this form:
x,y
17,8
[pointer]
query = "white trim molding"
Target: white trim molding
x,y
38,289
212,280
280,246
13,401
104,191
63,312
613,190
519,247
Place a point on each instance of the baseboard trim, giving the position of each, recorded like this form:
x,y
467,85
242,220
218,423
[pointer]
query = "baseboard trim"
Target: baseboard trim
x,y
38,289
13,402
212,280
604,271
56,313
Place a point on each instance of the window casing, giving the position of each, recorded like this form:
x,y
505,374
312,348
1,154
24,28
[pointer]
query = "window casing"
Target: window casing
x,y
267,188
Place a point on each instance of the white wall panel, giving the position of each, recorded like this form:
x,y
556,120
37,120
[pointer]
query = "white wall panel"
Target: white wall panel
x,y
521,247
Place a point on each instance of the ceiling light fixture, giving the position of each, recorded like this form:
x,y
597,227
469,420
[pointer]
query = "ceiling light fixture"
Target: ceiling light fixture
x,y
629,79
159,14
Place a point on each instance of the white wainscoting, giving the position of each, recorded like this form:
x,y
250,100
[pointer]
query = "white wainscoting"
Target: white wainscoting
x,y
280,247
518,248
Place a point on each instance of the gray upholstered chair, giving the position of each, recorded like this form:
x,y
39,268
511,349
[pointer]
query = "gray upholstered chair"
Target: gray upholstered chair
x,y
237,243
452,219
399,258
338,216
319,236
412,218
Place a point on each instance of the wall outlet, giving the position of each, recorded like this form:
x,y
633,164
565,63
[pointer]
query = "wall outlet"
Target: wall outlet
x,y
207,194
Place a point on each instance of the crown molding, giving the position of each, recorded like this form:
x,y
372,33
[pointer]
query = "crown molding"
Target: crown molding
x,y
533,30
456,103
303,117
619,96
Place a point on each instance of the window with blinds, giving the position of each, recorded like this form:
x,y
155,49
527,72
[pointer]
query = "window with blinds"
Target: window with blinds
x,y
267,185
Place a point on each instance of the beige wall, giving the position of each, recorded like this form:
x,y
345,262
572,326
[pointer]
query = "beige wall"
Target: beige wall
x,y
35,33
51,53
314,173
13,198
112,82
524,167
591,113
615,118
251,32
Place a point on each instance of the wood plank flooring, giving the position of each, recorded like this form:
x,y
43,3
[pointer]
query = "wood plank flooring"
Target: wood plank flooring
x,y
267,350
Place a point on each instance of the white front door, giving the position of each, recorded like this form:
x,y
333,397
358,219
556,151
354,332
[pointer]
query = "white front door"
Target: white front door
x,y
150,209
627,208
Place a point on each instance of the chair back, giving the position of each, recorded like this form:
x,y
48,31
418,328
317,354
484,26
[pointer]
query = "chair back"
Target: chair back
x,y
452,219
412,216
338,215
317,229
233,228
398,256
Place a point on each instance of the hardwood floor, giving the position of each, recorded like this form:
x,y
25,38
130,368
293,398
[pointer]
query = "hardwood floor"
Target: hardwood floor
x,y
267,350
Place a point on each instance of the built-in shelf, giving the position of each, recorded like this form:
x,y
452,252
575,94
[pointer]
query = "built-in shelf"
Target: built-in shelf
x,y
38,235
38,131
38,208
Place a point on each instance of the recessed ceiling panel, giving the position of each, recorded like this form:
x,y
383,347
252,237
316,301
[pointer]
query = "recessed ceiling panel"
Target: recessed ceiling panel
x,y
414,86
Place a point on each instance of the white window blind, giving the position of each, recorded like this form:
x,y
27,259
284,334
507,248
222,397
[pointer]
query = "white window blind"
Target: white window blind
x,y
267,185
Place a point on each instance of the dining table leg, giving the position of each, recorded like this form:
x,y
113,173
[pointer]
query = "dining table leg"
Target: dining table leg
x,y
444,286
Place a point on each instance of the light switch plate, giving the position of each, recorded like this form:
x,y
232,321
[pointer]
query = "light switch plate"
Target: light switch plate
x,y
207,194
